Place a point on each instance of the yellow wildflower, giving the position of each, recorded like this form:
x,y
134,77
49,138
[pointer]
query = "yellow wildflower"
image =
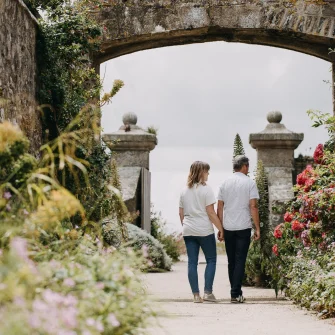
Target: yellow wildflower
x,y
9,134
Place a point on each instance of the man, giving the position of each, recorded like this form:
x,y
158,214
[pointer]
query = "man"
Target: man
x,y
237,203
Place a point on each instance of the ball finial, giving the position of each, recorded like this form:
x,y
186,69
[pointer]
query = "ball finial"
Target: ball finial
x,y
274,117
129,118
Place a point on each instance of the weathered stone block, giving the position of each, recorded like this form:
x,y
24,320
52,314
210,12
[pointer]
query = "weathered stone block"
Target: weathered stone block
x,y
18,29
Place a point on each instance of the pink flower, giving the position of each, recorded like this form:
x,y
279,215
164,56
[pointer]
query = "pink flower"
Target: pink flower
x,y
305,238
145,250
7,195
100,285
69,282
90,322
112,320
318,154
278,233
275,249
99,326
19,245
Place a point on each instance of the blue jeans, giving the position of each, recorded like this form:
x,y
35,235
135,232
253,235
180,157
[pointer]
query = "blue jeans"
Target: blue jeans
x,y
208,246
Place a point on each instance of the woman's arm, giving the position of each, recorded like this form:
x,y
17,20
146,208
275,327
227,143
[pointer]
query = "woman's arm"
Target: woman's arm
x,y
181,215
214,219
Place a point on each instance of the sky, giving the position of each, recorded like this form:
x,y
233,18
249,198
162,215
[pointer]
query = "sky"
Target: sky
x,y
199,96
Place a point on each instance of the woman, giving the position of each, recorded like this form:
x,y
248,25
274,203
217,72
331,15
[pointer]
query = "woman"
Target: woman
x,y
196,211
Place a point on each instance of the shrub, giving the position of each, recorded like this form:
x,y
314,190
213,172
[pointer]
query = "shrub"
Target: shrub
x,y
304,242
112,232
140,240
262,265
84,293
173,243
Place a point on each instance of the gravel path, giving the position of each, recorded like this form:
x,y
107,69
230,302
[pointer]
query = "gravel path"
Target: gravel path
x,y
262,314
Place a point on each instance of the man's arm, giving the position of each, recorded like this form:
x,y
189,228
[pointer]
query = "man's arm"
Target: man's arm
x,y
181,215
219,210
255,217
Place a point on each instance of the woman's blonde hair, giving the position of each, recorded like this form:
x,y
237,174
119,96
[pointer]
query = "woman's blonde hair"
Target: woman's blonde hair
x,y
196,174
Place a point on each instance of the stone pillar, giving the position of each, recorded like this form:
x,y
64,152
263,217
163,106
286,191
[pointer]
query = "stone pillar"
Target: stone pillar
x,y
275,147
131,147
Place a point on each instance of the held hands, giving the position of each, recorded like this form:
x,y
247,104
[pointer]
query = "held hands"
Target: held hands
x,y
221,235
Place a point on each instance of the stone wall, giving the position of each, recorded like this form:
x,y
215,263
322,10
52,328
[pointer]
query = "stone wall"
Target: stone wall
x,y
18,29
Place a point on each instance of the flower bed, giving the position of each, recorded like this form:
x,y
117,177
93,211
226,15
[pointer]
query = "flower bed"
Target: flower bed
x,y
305,241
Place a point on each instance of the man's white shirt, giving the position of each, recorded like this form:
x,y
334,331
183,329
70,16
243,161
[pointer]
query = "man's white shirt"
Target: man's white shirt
x,y
236,193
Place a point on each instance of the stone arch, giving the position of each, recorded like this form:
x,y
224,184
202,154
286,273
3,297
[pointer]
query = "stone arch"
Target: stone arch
x,y
135,25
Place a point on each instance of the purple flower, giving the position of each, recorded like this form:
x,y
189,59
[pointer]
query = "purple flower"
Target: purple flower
x,y
90,322
145,250
34,321
69,282
112,320
7,195
99,326
19,245
100,285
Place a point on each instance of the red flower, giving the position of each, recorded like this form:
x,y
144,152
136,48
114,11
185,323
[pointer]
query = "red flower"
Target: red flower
x,y
275,249
318,154
308,184
297,226
288,217
305,176
278,233
301,178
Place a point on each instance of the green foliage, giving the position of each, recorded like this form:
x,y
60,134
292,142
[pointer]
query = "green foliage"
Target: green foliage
x,y
91,290
263,204
44,4
238,146
67,36
112,233
152,130
140,240
173,243
304,242
52,273
311,281
262,267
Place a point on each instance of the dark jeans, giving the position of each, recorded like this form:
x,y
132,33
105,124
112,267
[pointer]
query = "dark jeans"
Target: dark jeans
x,y
208,246
237,246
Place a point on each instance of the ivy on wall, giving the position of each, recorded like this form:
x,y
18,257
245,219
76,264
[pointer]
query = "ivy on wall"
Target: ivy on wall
x,y
67,83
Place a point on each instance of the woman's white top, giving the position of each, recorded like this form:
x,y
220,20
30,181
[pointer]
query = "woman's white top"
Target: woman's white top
x,y
194,201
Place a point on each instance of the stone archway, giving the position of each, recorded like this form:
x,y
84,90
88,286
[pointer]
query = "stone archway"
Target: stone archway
x,y
135,25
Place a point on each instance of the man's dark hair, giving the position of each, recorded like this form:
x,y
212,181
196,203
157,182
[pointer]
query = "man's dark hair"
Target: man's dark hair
x,y
239,161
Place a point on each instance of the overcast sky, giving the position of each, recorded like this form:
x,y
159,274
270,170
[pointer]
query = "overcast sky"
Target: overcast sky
x,y
199,96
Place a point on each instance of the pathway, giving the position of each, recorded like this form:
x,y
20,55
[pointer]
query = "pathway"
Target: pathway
x,y
261,315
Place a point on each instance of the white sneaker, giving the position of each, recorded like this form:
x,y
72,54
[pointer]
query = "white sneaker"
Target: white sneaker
x,y
210,297
197,299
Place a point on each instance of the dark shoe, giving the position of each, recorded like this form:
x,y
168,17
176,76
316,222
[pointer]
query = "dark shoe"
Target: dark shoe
x,y
238,300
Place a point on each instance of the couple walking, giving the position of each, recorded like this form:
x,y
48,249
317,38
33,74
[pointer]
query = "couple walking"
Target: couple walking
x,y
237,203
